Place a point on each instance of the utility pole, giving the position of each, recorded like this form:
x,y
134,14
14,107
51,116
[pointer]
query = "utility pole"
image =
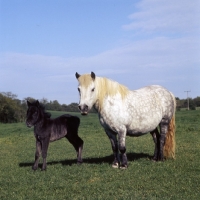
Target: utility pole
x,y
188,99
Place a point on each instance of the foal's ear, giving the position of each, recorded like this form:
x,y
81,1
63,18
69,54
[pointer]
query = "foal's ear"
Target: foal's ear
x,y
37,103
28,103
93,75
77,75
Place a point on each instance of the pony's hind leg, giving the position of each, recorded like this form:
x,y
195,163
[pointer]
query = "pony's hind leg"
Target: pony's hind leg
x,y
37,154
114,143
164,124
156,138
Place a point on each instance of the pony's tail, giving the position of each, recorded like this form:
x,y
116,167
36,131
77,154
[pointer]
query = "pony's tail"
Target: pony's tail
x,y
169,147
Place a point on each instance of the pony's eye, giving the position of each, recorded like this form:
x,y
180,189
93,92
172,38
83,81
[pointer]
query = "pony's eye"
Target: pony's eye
x,y
79,89
93,89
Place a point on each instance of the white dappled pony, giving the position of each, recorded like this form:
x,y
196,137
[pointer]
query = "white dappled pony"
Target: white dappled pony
x,y
124,113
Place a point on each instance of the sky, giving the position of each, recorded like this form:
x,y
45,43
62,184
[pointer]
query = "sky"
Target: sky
x,y
136,43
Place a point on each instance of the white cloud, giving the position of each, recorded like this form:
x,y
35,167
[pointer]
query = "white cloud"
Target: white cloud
x,y
167,53
166,16
160,53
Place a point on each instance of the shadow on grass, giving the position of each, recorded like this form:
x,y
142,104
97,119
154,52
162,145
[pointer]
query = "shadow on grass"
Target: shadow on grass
x,y
100,160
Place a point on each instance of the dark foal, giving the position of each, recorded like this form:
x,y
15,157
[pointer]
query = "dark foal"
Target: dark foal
x,y
48,130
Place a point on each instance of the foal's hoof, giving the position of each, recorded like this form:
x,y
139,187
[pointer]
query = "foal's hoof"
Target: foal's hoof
x,y
123,166
79,162
115,165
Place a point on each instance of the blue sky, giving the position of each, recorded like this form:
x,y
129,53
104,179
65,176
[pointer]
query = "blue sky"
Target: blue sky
x,y
136,43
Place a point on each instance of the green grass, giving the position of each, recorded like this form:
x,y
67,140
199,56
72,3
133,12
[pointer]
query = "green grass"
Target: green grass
x,y
95,178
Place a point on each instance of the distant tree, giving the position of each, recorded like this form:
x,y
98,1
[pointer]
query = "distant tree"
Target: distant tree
x,y
64,107
56,105
31,99
73,107
44,101
9,95
192,105
11,109
197,101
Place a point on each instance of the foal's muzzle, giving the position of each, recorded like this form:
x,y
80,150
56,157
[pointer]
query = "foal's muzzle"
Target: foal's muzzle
x,y
84,109
28,124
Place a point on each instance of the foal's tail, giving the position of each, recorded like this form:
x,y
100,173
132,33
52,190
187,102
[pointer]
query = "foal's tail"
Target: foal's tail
x,y
169,147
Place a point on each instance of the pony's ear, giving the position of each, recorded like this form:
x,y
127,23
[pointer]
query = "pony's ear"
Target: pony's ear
x,y
28,103
77,75
93,75
37,103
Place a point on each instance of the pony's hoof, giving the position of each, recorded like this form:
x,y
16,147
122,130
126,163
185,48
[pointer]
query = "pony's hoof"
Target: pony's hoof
x,y
154,159
160,159
34,168
123,167
115,165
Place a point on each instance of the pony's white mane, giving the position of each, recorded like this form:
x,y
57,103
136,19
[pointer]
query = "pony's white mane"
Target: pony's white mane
x,y
106,87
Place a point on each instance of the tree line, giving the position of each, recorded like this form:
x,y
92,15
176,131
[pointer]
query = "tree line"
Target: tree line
x,y
183,103
14,110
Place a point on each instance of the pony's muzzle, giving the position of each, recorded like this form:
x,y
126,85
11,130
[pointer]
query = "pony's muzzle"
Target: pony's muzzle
x,y
84,109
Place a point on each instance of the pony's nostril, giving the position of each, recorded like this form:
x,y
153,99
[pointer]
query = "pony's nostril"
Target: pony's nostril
x,y
83,108
86,107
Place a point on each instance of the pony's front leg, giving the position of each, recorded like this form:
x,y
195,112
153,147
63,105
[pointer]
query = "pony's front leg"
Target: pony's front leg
x,y
122,149
37,154
45,144
114,144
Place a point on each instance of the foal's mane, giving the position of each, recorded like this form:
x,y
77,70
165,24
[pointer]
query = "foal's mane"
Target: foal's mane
x,y
39,105
42,108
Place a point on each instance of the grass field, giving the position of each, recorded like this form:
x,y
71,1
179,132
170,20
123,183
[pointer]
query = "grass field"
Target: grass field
x,y
95,178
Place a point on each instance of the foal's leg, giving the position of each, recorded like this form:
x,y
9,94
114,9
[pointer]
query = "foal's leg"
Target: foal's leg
x,y
77,142
114,144
79,152
37,154
156,138
45,145
164,124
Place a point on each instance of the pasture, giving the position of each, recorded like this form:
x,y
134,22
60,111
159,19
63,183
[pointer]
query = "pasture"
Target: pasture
x,y
95,178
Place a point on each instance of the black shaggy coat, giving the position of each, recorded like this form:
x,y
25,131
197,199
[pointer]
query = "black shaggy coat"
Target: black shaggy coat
x,y
48,130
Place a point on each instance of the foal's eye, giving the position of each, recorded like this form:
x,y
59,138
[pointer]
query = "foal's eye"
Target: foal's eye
x,y
93,89
79,89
